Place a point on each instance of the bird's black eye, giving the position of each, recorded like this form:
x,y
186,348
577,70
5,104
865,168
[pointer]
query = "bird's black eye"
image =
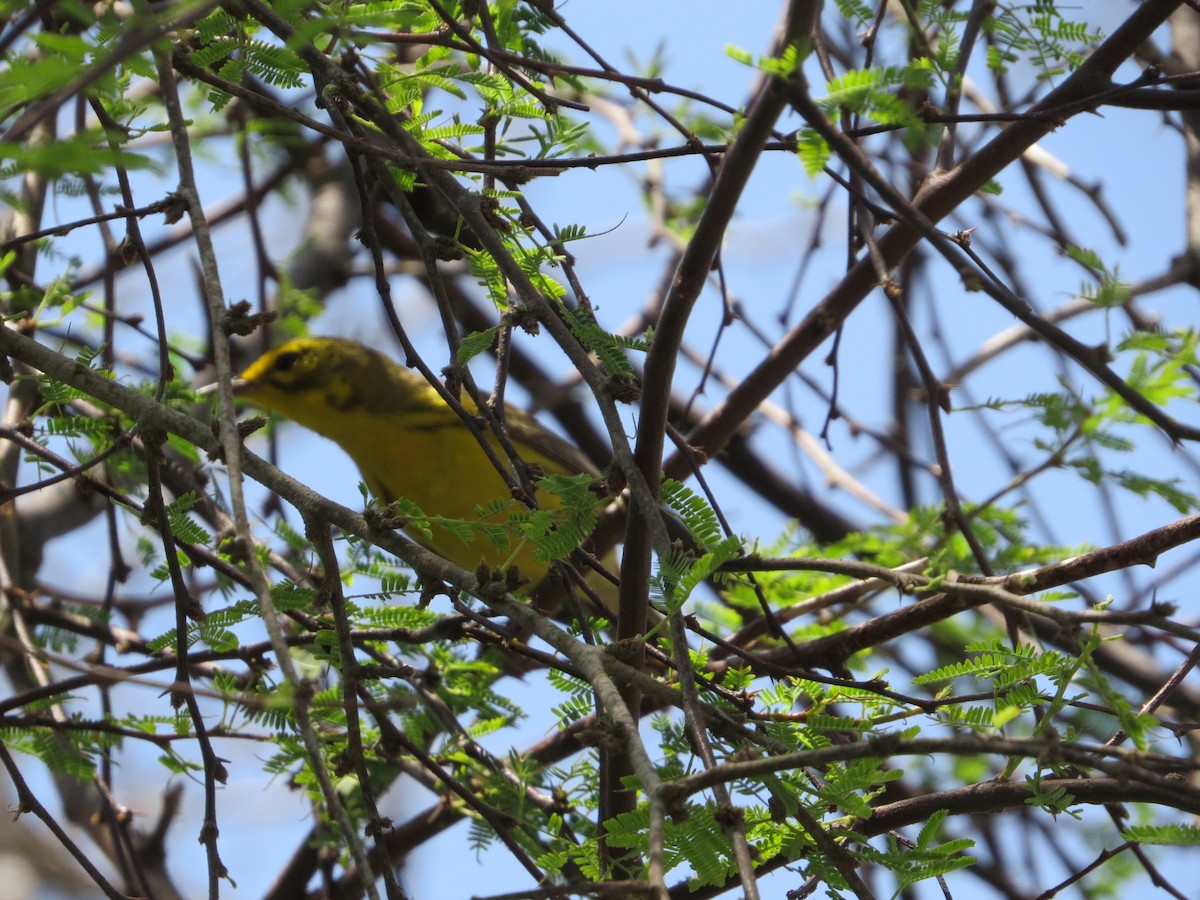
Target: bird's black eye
x,y
285,361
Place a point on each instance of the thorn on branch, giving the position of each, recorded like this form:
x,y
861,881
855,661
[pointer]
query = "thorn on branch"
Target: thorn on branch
x,y
962,238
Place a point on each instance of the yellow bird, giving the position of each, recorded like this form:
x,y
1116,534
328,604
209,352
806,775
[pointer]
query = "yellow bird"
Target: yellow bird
x,y
408,443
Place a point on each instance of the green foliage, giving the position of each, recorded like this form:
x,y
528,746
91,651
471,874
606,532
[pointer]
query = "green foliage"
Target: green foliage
x,y
942,25
1109,290
1137,727
578,702
1039,34
999,665
610,348
913,864
1164,835
869,92
1159,371
291,597
679,573
185,529
1085,432
97,431
813,151
228,45
69,752
85,153
56,393
693,511
698,842
873,94
781,66
555,136
488,275
1055,800
440,679
861,14
1001,533
475,343
506,525
556,533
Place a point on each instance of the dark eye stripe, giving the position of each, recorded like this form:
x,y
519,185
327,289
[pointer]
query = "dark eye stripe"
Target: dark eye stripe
x,y
295,371
285,361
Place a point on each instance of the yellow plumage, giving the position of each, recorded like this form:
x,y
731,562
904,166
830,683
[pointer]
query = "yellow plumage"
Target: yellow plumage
x,y
406,441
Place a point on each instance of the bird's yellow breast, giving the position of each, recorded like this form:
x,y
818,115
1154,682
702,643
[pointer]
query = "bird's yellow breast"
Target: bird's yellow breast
x,y
433,460
407,442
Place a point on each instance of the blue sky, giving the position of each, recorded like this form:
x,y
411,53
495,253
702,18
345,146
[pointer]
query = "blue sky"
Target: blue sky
x,y
620,272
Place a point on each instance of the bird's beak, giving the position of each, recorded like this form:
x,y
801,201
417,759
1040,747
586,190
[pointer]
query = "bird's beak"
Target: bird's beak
x,y
240,386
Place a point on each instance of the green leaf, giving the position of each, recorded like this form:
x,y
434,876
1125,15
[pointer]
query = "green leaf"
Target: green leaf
x,y
1163,835
182,527
813,151
79,154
